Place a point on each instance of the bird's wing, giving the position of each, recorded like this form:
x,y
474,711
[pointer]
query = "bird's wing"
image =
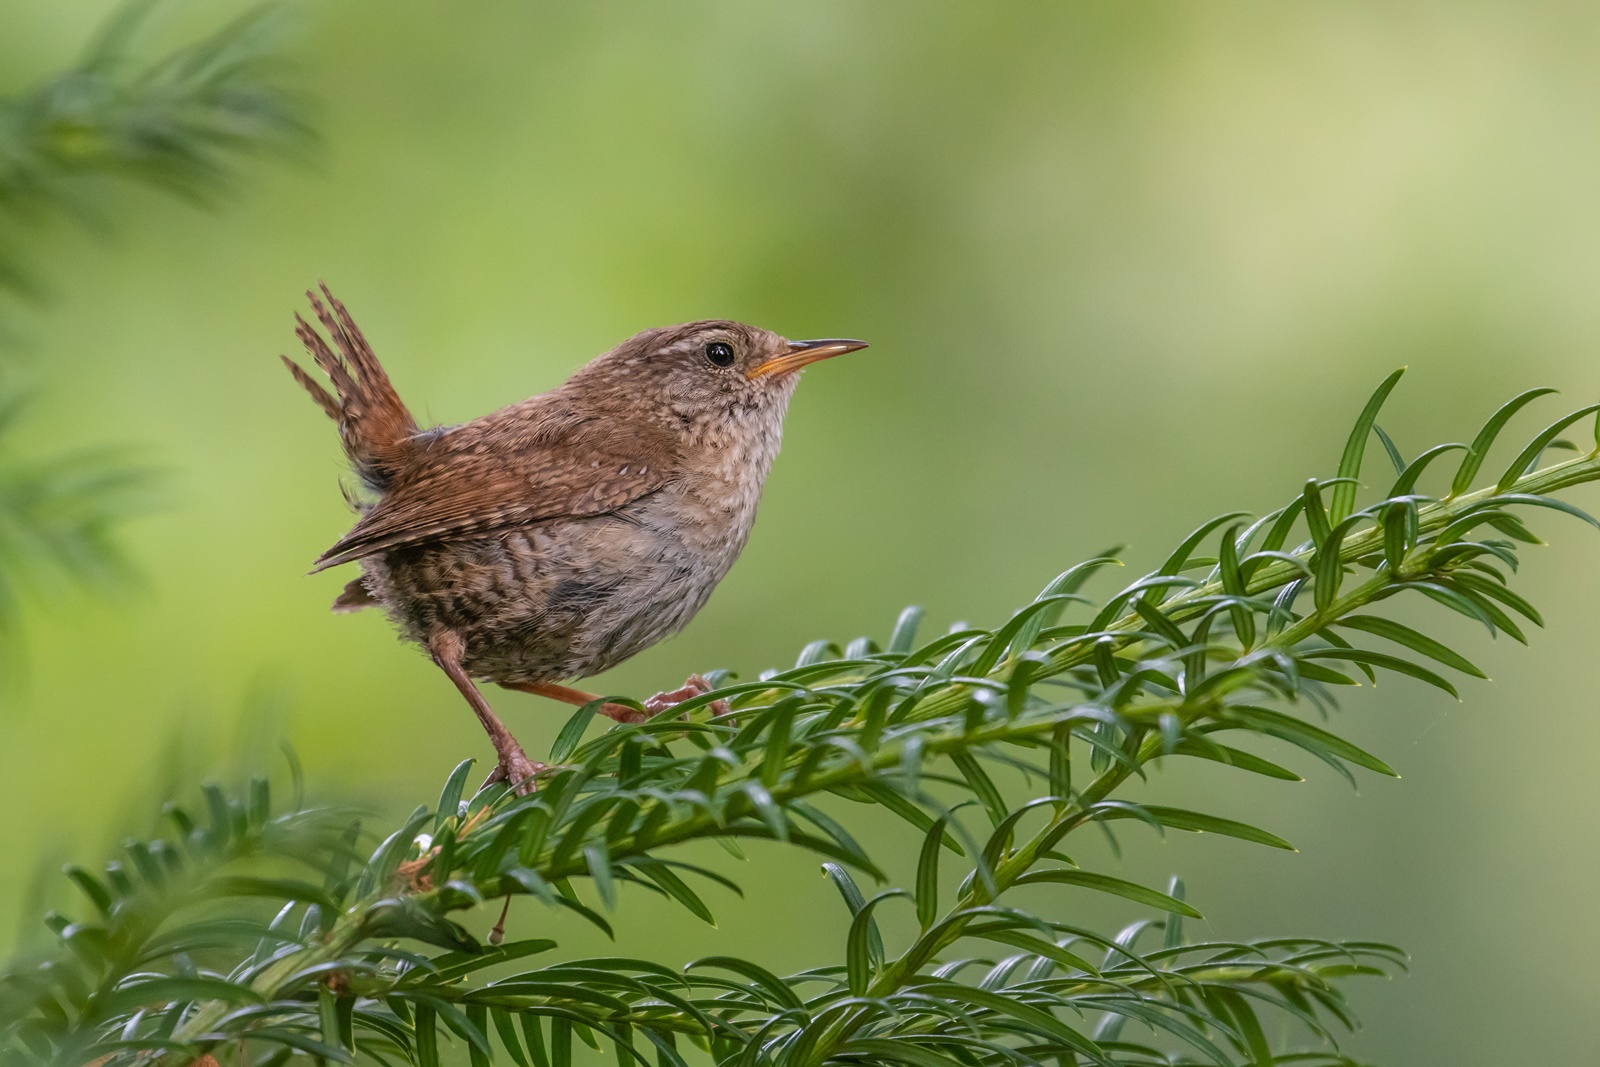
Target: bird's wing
x,y
497,472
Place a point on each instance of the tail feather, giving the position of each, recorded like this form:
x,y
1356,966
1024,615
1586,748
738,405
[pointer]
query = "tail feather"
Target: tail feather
x,y
325,400
373,422
355,597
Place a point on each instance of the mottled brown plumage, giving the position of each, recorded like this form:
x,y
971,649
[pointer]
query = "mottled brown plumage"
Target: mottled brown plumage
x,y
555,538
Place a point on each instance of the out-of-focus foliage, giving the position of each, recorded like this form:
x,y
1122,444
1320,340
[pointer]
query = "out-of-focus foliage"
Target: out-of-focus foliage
x,y
257,937
181,123
57,519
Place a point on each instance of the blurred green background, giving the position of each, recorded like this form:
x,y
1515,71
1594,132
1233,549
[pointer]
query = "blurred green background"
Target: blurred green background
x,y
1123,266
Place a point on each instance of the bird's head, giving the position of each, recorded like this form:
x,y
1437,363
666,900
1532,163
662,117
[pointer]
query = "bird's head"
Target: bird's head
x,y
704,368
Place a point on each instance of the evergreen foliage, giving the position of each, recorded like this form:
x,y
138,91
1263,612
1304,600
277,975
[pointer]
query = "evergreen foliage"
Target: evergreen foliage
x,y
180,123
58,517
258,934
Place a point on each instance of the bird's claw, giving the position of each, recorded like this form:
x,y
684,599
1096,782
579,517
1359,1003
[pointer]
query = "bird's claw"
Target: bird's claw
x,y
518,771
693,686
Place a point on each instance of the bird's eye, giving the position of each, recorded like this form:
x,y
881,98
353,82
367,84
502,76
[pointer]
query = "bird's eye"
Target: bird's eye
x,y
720,353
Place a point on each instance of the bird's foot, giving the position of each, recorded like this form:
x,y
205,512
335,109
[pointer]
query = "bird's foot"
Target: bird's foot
x,y
693,686
516,770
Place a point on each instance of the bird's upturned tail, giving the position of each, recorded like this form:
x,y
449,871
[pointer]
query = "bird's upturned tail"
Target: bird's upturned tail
x,y
373,422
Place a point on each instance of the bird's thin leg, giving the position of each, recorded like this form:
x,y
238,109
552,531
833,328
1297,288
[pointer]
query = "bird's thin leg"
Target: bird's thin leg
x,y
577,698
513,766
693,687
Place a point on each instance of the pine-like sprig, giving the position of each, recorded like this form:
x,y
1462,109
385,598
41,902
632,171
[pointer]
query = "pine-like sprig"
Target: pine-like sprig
x,y
57,520
358,955
179,122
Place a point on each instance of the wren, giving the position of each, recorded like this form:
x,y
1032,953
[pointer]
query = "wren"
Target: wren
x,y
553,539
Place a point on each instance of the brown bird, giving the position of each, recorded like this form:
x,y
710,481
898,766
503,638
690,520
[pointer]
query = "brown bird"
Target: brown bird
x,y
556,537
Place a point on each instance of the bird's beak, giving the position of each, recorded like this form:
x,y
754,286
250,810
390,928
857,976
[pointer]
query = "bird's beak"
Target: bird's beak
x,y
802,352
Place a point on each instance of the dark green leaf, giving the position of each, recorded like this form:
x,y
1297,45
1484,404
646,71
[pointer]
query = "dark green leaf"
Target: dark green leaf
x,y
771,984
1303,734
1418,642
1485,440
1180,556
1233,757
927,894
560,1043
873,941
155,991
1386,661
507,1031
1407,481
904,637
91,888
533,1034
897,1050
1105,883
678,890
1342,501
1548,502
1249,1027
1032,1018
864,946
450,796
982,786
1061,761
478,1016
1175,889
1161,625
1200,823
1398,521
1494,590
1233,583
1395,457
1328,567
1530,455
571,734
598,859
1316,516
1037,946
